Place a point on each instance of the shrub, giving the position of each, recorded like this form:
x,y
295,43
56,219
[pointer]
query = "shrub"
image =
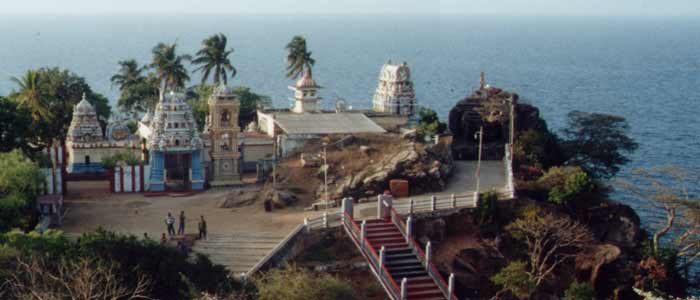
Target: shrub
x,y
486,208
298,284
21,182
579,291
566,184
514,278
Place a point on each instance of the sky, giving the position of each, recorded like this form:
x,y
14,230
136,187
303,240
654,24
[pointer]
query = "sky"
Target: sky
x,y
431,7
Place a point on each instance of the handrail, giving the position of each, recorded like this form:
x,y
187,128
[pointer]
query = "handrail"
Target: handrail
x,y
273,252
383,273
430,267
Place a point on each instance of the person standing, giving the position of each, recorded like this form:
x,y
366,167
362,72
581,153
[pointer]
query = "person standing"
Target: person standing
x,y
202,228
181,227
163,239
170,223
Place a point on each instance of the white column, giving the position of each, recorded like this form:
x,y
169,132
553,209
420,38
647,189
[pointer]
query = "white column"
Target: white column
x,y
409,222
363,232
428,253
381,257
454,201
404,286
451,286
325,220
410,208
433,202
347,208
306,224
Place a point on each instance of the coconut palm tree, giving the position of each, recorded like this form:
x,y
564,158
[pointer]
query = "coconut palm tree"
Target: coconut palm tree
x,y
298,58
129,74
169,68
214,56
29,94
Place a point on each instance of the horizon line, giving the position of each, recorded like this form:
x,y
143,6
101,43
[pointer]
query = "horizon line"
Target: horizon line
x,y
407,14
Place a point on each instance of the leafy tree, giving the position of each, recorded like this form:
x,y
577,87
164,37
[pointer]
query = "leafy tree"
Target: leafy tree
x,y
138,92
15,127
579,291
213,56
487,208
429,122
298,284
249,104
566,185
598,143
29,94
20,183
551,240
515,278
59,91
169,68
298,58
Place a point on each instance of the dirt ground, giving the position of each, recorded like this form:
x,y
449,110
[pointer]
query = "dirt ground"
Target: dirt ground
x,y
90,206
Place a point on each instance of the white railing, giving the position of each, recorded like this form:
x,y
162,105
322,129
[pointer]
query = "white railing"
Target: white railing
x,y
284,245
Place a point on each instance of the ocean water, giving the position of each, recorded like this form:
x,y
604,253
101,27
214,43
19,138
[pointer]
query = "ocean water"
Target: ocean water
x,y
645,69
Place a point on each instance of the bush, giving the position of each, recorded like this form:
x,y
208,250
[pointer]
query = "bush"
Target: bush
x,y
566,185
579,291
298,284
21,182
487,207
514,278
164,265
429,122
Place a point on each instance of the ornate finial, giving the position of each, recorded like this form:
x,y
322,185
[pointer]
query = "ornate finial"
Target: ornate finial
x,y
84,96
482,81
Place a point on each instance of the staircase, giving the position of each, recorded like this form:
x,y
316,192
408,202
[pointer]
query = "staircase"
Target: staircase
x,y
238,252
397,261
401,261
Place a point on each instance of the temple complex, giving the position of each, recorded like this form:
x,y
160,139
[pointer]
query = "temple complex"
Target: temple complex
x,y
394,94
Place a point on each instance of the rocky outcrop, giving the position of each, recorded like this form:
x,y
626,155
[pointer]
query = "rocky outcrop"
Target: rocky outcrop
x,y
617,224
425,167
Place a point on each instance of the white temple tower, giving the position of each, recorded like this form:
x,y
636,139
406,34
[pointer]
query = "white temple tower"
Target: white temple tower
x,y
395,93
305,97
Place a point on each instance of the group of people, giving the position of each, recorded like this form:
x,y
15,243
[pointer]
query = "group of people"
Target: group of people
x,y
170,226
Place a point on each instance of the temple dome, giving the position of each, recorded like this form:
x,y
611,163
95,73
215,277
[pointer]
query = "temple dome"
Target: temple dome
x,y
223,89
306,81
84,108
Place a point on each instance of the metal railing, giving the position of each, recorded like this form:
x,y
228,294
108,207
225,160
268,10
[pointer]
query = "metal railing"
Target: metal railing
x,y
372,256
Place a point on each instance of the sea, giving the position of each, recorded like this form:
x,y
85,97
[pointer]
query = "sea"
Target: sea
x,y
646,69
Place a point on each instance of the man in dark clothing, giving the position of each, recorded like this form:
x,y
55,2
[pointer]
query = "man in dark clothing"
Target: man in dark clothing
x,y
170,223
202,228
181,228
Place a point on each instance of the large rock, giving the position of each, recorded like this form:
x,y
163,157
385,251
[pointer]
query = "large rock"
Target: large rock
x,y
425,167
617,224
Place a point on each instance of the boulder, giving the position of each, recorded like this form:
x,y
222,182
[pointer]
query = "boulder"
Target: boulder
x,y
283,199
616,224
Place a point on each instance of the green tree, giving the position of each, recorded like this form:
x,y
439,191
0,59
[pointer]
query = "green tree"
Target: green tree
x,y
515,278
15,127
579,291
429,122
598,143
59,91
298,284
20,183
169,68
566,185
213,56
138,92
298,58
249,104
29,94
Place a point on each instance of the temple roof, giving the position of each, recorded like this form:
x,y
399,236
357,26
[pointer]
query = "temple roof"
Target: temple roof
x,y
326,123
173,127
84,126
306,81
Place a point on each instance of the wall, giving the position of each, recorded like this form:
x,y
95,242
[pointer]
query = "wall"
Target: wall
x,y
76,157
130,179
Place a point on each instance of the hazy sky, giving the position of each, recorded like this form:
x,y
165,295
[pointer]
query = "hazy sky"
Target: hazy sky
x,y
466,7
